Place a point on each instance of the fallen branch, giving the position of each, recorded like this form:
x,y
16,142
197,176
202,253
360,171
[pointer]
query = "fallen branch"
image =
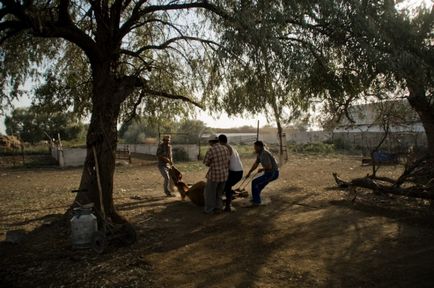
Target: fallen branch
x,y
414,191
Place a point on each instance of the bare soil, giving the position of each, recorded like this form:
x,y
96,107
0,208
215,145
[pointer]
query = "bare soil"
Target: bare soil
x,y
310,234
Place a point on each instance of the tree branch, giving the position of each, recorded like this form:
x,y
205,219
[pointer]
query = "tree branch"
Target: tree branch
x,y
175,39
42,27
172,96
138,12
142,83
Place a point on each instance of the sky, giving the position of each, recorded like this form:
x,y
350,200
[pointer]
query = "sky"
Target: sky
x,y
222,120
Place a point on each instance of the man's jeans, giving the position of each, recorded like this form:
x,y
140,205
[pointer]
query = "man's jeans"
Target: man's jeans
x,y
233,178
213,196
164,170
259,183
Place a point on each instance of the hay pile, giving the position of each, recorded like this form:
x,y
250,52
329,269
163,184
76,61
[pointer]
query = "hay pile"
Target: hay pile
x,y
10,142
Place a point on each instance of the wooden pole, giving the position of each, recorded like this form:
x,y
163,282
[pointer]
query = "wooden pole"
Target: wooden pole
x,y
98,182
257,132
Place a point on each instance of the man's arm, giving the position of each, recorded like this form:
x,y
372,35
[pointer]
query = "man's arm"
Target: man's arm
x,y
229,148
164,159
161,157
208,157
255,165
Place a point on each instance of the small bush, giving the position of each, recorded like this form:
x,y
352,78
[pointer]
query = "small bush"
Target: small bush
x,y
180,155
312,148
340,144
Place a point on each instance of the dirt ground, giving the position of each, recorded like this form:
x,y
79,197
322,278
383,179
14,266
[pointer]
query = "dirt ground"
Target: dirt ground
x,y
310,234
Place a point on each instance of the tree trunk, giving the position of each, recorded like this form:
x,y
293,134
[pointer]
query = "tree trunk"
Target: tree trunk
x,y
283,153
279,134
425,110
108,95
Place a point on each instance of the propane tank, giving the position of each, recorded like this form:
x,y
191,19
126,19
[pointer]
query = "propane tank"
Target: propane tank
x,y
83,226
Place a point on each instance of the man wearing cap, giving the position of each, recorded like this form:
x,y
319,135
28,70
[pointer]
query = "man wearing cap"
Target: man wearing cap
x,y
217,159
165,161
269,167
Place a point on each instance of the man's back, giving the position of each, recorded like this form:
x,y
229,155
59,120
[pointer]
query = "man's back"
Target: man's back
x,y
267,159
217,159
235,163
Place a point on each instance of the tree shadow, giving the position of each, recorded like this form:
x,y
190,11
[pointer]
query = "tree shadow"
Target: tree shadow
x,y
383,247
46,219
294,241
237,241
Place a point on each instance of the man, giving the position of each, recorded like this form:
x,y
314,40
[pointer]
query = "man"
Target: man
x,y
269,167
235,172
164,154
217,159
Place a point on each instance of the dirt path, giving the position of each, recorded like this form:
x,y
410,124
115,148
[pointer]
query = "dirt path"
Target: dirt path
x,y
309,235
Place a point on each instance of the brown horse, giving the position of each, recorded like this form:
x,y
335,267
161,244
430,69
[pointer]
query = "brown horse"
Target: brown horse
x,y
195,192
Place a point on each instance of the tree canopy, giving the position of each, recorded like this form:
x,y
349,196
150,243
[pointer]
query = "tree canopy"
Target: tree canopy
x,y
160,49
337,53
33,125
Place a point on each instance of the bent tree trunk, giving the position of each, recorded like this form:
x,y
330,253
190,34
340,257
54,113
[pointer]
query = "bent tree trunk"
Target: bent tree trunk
x,y
108,95
419,102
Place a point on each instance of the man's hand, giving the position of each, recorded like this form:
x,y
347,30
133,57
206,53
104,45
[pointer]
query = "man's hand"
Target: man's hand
x,y
247,175
261,170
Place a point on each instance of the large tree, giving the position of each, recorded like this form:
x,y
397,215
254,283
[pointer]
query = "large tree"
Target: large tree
x,y
111,54
391,47
337,52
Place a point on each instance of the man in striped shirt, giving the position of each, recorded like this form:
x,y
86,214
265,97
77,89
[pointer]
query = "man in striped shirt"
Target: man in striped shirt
x,y
217,159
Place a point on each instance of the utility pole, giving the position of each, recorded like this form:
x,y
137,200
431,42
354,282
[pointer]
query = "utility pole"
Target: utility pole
x,y
257,132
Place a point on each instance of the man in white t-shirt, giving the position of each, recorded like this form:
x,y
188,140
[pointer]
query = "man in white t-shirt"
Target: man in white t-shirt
x,y
235,172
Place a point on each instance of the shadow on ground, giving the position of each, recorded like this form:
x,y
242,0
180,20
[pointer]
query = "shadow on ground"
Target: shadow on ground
x,y
298,240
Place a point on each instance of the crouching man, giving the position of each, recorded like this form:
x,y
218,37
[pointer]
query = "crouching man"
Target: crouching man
x,y
217,159
269,167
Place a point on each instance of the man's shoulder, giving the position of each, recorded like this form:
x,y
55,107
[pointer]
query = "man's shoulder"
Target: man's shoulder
x,y
219,147
264,155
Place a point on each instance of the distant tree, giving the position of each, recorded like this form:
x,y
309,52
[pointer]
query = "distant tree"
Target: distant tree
x,y
190,131
135,133
138,129
32,125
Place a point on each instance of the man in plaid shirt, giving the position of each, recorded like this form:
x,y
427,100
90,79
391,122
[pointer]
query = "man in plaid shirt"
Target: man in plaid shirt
x,y
217,159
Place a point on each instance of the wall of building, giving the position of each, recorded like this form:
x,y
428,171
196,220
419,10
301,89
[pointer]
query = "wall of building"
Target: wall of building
x,y
367,141
74,157
151,149
69,157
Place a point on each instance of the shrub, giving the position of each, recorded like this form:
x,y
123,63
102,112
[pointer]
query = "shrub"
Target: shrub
x,y
180,155
340,144
312,148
